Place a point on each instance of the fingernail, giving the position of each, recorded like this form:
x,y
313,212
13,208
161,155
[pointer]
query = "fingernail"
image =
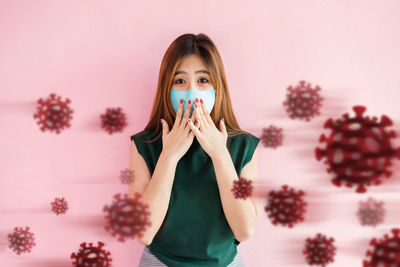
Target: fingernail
x,y
197,100
201,100
190,101
223,120
189,120
181,101
161,121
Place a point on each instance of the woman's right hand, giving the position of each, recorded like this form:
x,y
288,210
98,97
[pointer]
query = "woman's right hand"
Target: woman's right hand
x,y
177,141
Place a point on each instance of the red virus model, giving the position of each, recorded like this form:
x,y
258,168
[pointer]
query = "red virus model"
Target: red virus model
x,y
92,256
127,217
358,150
272,136
52,114
21,240
303,102
114,120
385,252
59,206
242,188
126,176
371,212
319,250
286,206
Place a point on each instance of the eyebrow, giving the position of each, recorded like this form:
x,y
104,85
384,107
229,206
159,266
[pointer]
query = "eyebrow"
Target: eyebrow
x,y
199,71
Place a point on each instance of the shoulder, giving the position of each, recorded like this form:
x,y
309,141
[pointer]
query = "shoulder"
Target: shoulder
x,y
139,135
244,138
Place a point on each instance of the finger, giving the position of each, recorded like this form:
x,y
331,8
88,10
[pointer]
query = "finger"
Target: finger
x,y
194,118
205,112
187,112
223,127
179,113
201,114
165,129
194,128
198,115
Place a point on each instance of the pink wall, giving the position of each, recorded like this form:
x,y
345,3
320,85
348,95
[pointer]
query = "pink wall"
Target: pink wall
x,y
105,54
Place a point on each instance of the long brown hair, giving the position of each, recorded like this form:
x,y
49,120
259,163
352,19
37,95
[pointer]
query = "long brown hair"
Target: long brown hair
x,y
186,45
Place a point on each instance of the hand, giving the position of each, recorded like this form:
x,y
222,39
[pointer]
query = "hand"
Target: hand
x,y
177,141
211,139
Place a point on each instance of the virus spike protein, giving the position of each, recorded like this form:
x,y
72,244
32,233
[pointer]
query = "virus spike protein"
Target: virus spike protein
x,y
358,150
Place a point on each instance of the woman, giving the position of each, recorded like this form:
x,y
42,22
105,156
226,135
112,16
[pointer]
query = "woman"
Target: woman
x,y
185,174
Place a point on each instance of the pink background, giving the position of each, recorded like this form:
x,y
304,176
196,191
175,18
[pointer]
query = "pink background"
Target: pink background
x,y
107,53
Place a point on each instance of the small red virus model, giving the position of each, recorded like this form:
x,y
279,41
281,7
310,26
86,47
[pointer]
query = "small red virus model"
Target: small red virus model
x,y
53,114
127,217
319,250
126,176
272,136
371,212
242,188
358,150
385,252
286,206
114,120
21,240
59,206
92,256
303,102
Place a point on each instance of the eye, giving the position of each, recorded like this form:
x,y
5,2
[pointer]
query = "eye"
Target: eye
x,y
204,79
178,80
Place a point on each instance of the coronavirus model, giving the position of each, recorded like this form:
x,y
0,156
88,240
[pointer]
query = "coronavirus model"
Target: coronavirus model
x,y
385,251
114,120
371,212
303,102
272,136
53,114
127,217
21,240
92,256
242,188
286,206
319,250
358,150
126,176
59,206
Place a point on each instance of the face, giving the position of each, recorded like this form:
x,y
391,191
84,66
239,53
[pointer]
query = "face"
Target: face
x,y
192,73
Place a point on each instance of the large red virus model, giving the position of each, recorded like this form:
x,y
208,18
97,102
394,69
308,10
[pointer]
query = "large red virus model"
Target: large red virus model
x,y
126,176
286,206
52,114
358,150
371,212
319,250
114,120
272,136
127,217
21,240
92,256
303,102
385,252
59,206
242,188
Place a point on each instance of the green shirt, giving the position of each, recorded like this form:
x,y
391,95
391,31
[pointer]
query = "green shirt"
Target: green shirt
x,y
195,231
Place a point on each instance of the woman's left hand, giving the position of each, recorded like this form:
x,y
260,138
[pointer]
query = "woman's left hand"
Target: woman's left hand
x,y
211,139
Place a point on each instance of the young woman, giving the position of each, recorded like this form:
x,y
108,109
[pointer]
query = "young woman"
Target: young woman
x,y
185,174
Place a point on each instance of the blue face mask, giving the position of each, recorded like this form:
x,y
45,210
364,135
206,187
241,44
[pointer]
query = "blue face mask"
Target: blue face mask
x,y
208,97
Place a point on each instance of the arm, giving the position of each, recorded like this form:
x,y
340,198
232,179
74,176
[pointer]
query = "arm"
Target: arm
x,y
155,192
241,214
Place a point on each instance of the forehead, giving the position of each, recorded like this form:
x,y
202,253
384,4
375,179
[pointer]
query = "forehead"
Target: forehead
x,y
191,63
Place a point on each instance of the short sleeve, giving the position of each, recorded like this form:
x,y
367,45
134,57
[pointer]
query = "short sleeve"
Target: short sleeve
x,y
251,142
145,150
